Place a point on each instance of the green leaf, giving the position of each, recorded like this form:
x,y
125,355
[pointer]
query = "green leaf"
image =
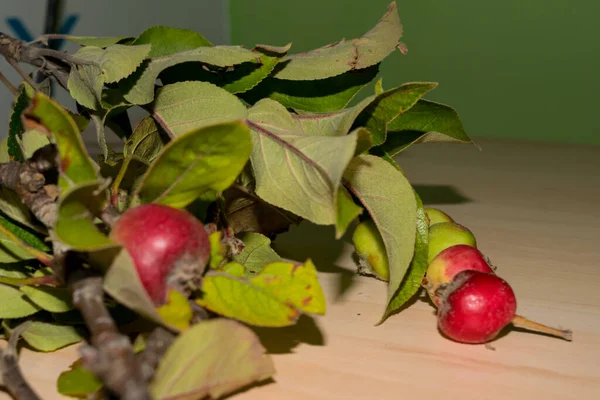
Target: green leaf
x,y
185,106
77,382
76,213
44,336
213,358
51,299
15,126
15,304
85,85
323,95
12,206
297,172
146,141
412,280
167,40
32,140
239,79
343,56
389,198
205,159
426,121
389,105
117,61
10,249
75,164
24,235
336,123
122,282
139,88
257,252
96,41
346,212
274,297
15,270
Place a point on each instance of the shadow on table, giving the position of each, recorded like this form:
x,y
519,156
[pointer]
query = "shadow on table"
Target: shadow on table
x,y
284,340
440,194
318,243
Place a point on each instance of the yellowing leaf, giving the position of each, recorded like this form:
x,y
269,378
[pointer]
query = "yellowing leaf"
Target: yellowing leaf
x,y
274,297
177,311
213,358
217,249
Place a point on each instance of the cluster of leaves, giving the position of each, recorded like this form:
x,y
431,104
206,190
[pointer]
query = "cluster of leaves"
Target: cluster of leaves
x,y
264,137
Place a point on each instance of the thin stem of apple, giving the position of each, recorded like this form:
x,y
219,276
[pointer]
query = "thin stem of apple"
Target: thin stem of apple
x,y
522,322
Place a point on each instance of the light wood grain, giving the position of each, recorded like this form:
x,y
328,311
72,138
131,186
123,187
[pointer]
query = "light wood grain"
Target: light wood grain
x,y
534,209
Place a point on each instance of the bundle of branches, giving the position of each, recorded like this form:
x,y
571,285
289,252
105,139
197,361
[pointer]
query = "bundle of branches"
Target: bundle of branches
x,y
247,141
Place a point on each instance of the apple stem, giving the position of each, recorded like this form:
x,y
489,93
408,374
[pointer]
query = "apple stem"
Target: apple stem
x,y
522,322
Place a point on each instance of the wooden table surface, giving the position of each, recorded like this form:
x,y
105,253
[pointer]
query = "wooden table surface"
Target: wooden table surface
x,y
534,210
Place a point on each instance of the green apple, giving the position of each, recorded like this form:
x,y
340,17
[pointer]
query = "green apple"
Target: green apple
x,y
447,234
371,250
436,216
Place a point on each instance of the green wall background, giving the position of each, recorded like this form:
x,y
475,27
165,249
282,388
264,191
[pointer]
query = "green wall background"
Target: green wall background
x,y
513,69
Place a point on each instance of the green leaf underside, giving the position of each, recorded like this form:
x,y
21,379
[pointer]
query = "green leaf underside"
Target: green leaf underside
x,y
167,40
242,78
51,299
213,358
75,164
146,141
337,123
185,106
139,88
205,159
77,382
343,56
347,211
426,121
76,213
12,206
32,140
117,61
85,85
15,304
412,280
389,198
122,282
389,105
297,172
323,95
257,252
44,336
10,250
15,126
96,41
274,297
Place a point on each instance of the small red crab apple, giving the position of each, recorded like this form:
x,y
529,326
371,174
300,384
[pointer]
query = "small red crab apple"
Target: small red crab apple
x,y
450,262
476,306
169,247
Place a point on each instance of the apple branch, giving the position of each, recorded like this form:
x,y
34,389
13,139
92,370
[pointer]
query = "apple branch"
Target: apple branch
x,y
11,376
159,341
110,357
